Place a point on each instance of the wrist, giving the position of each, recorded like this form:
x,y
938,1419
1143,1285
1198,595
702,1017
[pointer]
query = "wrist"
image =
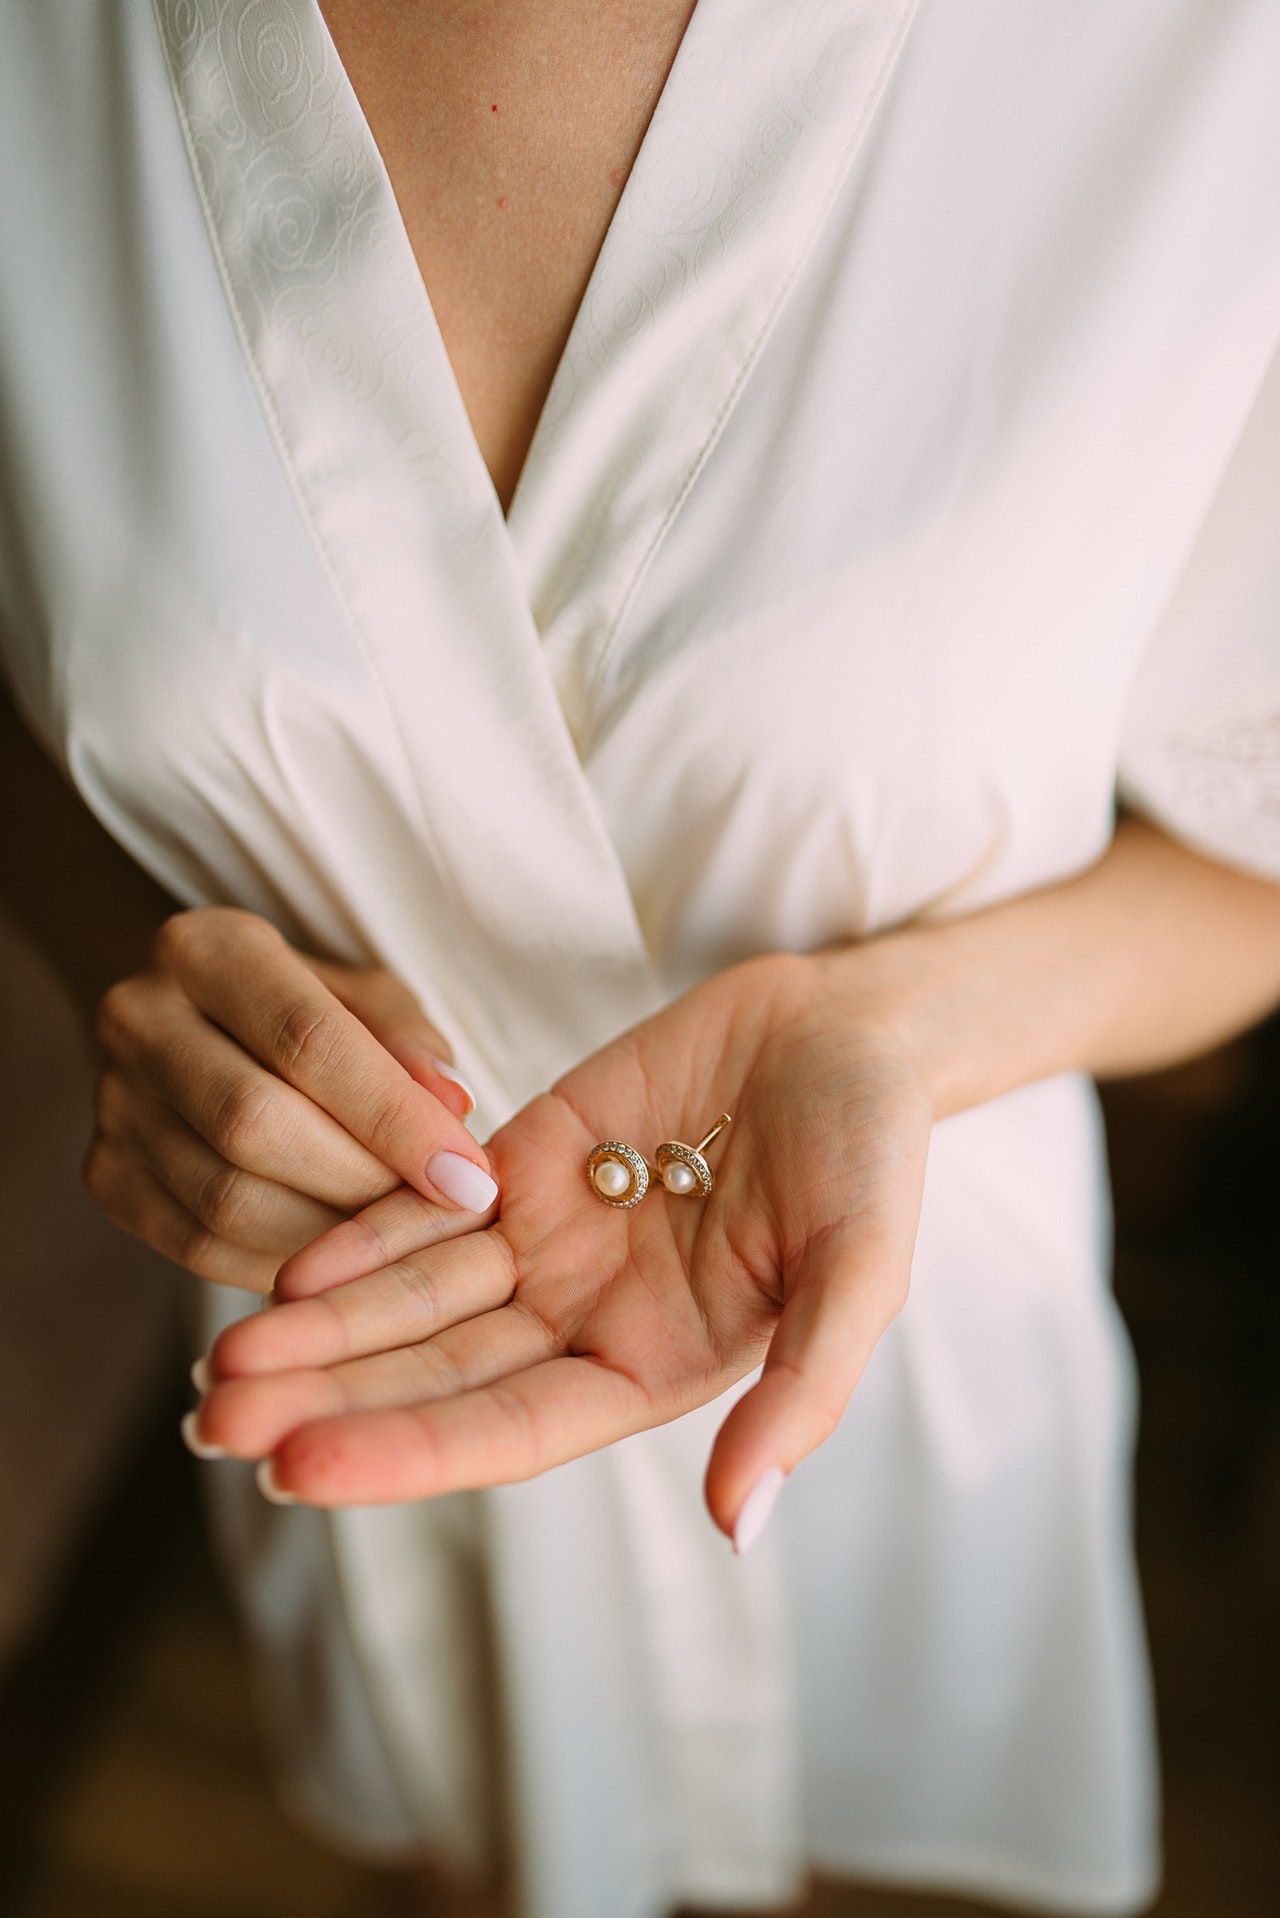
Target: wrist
x,y
947,1003
894,992
884,998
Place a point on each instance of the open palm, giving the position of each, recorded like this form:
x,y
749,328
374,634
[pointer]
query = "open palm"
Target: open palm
x,y
489,1355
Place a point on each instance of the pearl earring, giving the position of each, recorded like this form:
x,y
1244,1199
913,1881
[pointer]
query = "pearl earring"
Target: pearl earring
x,y
617,1174
682,1168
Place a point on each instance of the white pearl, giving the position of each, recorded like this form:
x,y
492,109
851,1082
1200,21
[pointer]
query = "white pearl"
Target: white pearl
x,y
611,1178
679,1177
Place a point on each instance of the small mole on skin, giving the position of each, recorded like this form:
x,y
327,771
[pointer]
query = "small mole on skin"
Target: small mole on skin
x,y
503,202
494,107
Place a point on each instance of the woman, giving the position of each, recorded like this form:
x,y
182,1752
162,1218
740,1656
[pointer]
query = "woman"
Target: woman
x,y
721,619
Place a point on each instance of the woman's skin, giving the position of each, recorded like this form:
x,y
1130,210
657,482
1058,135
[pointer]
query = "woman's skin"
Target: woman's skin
x,y
465,1357
508,132
227,1168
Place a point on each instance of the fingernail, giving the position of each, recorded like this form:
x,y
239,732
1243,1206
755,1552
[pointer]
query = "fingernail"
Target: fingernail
x,y
266,1477
756,1507
201,1376
462,1181
194,1443
454,1077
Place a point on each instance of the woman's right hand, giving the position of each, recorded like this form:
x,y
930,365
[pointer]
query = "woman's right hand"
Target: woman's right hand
x,y
253,1097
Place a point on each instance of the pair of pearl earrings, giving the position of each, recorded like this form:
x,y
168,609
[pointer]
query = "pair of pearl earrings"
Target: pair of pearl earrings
x,y
619,1175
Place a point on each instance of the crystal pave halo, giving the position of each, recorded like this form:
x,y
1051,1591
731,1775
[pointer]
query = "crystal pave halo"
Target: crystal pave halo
x,y
617,1174
682,1168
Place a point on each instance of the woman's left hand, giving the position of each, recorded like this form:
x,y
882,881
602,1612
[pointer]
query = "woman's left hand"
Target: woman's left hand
x,y
389,1372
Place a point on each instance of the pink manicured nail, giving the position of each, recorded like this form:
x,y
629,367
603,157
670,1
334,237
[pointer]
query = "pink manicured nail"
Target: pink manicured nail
x,y
454,1077
194,1443
462,1181
201,1376
266,1477
756,1507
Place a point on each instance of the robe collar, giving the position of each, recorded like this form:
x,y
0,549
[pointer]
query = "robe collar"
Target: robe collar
x,y
486,636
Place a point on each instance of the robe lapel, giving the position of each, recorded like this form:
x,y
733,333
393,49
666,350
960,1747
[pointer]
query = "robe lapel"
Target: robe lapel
x,y
763,112
536,950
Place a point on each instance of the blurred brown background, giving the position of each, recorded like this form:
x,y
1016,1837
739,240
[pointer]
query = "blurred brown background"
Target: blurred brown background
x,y
131,1779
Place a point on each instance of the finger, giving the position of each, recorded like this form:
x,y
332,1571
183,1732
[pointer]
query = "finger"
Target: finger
x,y
382,1234
250,1118
411,1300
494,1436
240,972
130,1193
848,1286
393,1015
234,1205
249,1417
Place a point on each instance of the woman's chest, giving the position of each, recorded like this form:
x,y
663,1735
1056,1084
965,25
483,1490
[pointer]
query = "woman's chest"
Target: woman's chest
x,y
508,134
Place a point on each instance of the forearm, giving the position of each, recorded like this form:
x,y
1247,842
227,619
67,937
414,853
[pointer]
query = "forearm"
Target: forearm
x,y
77,895
1153,955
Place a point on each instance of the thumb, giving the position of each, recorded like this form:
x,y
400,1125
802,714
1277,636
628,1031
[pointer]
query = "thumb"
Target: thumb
x,y
385,1005
847,1287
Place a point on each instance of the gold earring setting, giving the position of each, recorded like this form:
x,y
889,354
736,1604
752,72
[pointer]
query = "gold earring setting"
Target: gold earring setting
x,y
618,1175
682,1168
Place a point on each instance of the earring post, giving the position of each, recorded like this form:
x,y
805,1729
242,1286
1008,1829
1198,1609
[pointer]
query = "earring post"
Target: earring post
x,y
715,1132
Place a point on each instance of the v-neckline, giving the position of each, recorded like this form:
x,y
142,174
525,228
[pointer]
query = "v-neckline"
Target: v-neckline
x,y
762,111
573,344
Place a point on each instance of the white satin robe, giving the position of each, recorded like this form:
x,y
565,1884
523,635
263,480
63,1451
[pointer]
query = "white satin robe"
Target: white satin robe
x,y
910,478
